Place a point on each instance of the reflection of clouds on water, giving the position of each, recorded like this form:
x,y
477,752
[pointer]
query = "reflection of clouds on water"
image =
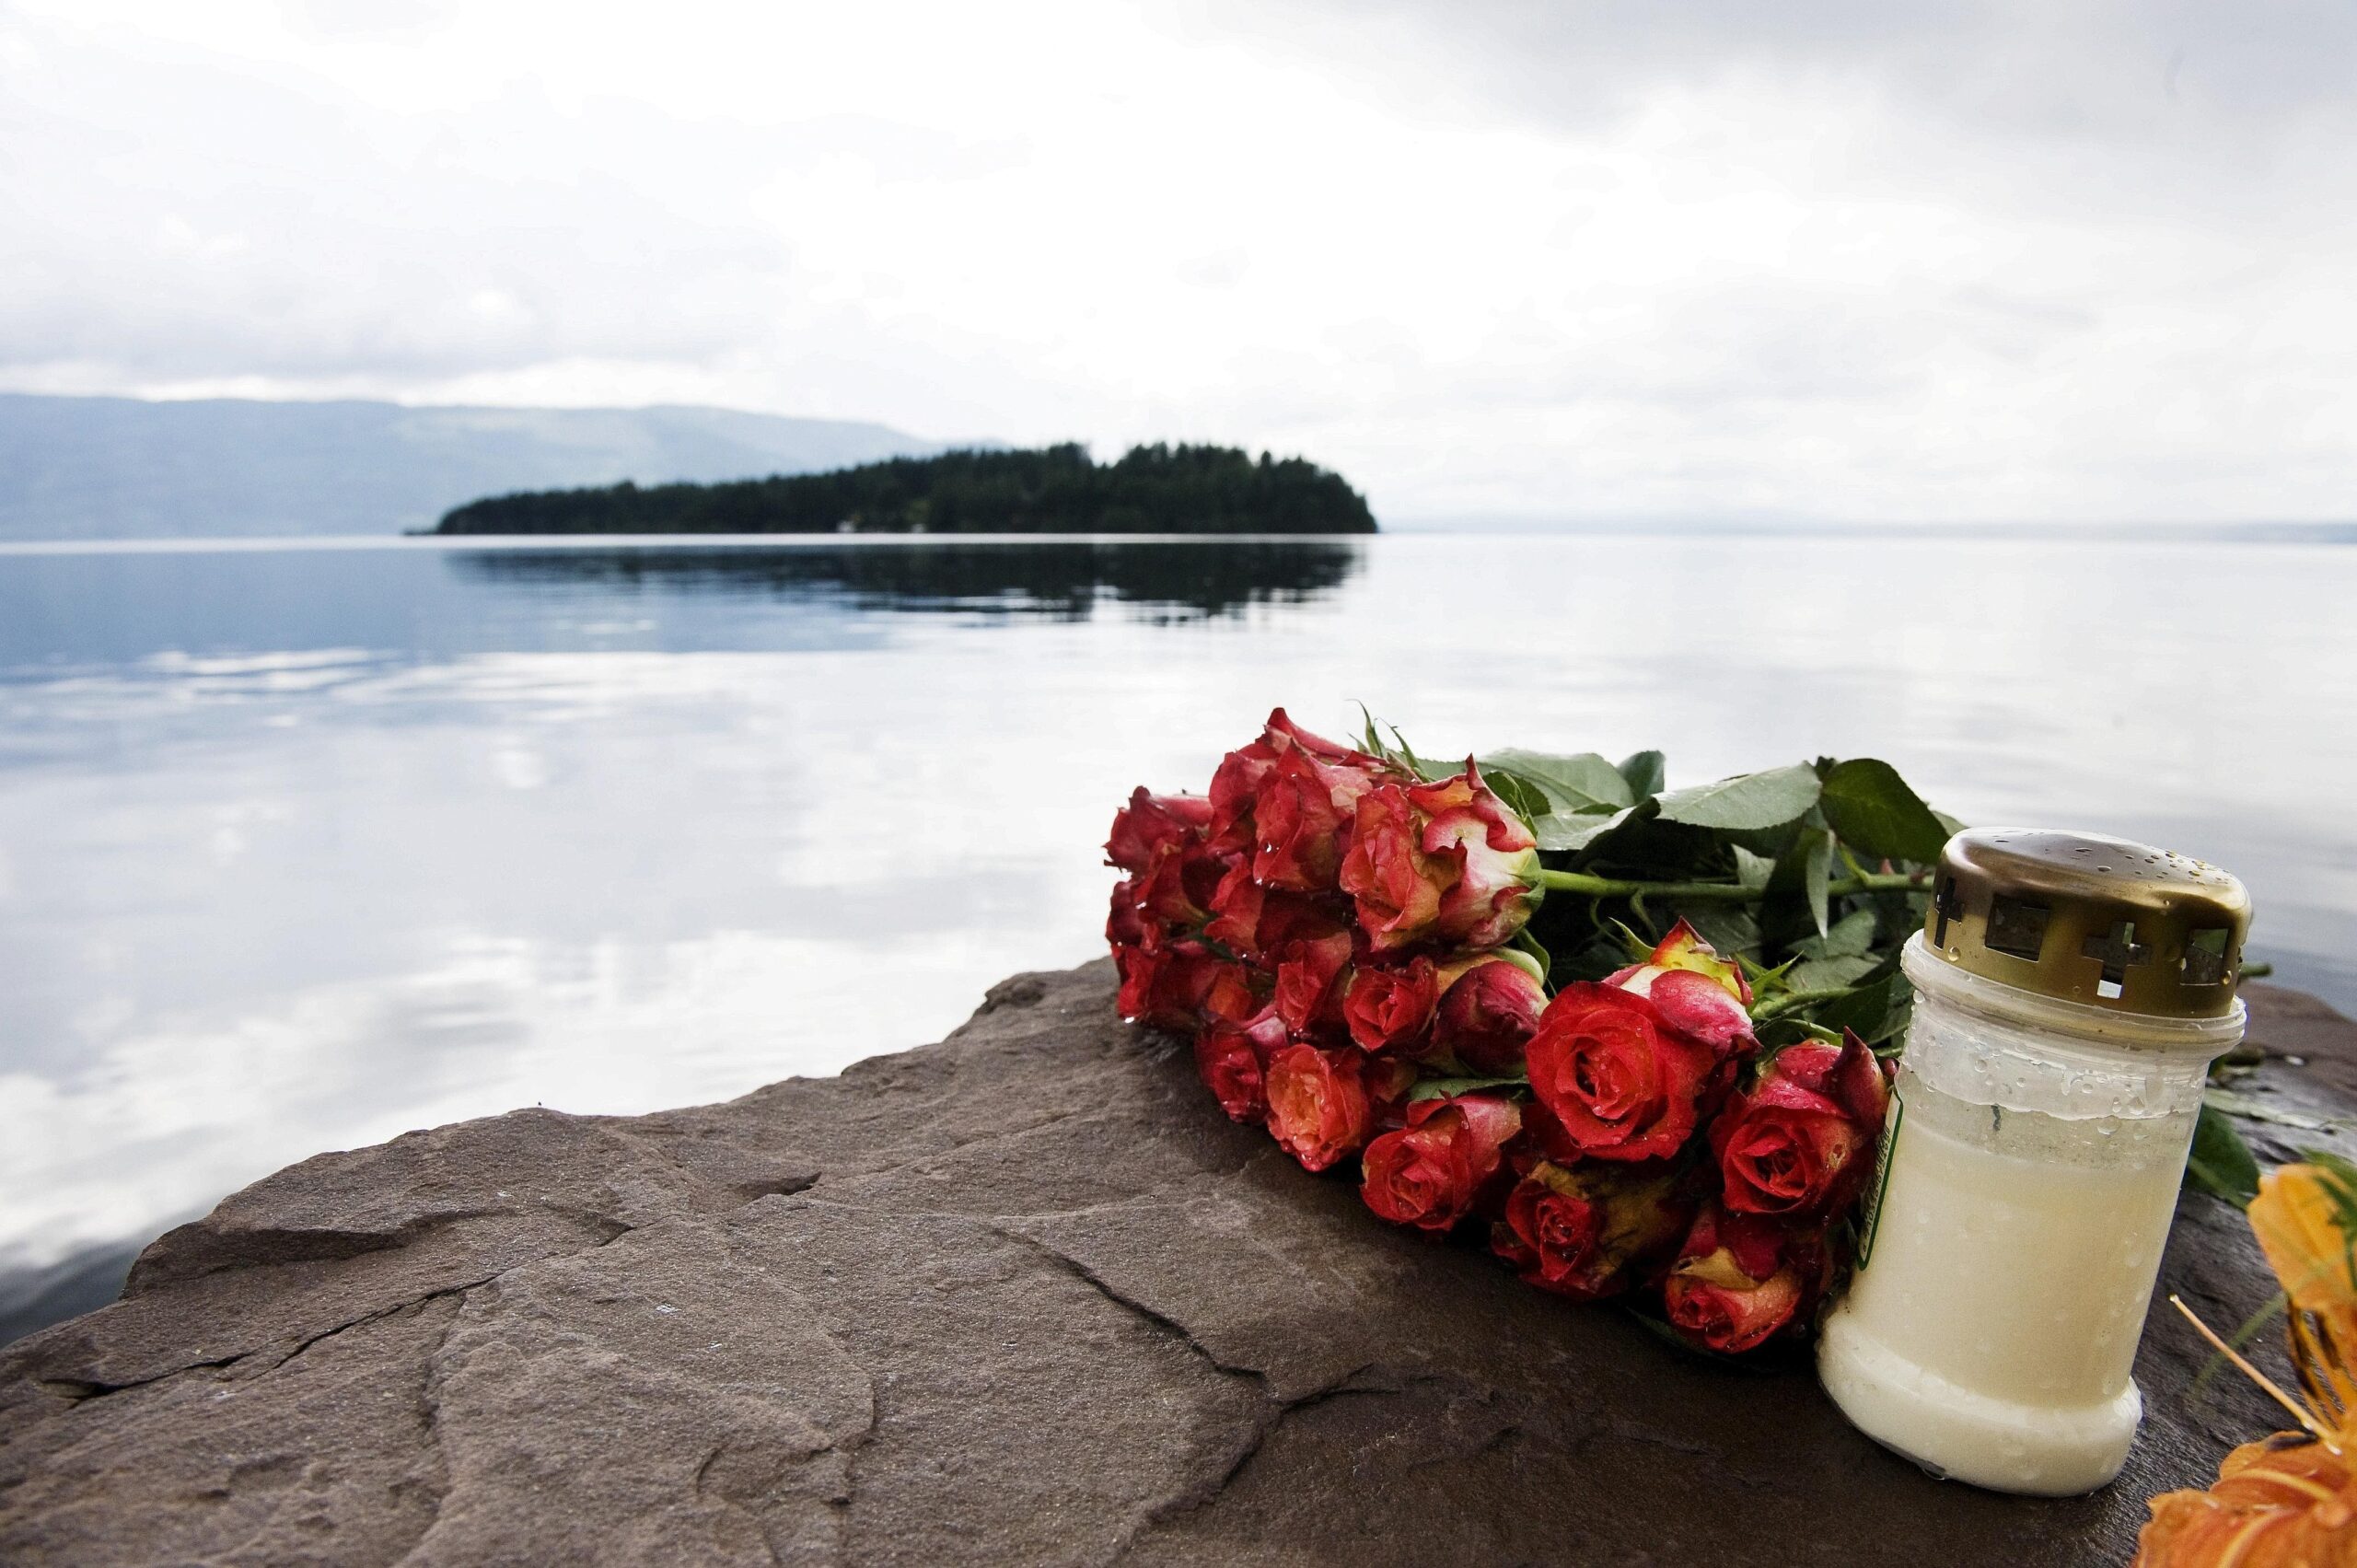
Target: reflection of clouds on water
x,y
300,849
135,1131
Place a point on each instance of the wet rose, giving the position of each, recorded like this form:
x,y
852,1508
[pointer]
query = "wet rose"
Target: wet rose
x,y
1442,861
1428,1173
1237,993
1238,783
1619,1081
1313,976
1258,922
1590,1231
1488,1009
1390,1009
1232,1059
1319,1110
1302,813
1165,983
1178,884
1125,922
1801,1139
1695,991
1739,1279
1149,822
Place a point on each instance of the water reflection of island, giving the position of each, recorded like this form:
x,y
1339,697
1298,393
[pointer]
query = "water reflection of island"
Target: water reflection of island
x,y
1175,580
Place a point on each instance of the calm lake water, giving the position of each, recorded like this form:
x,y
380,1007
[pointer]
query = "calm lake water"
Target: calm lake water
x,y
302,847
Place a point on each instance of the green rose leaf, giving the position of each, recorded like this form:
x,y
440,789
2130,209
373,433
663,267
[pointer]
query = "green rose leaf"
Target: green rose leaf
x,y
1867,803
1877,1012
1747,802
1852,936
1523,798
2221,1164
1568,832
1449,1088
1578,784
1643,771
1818,872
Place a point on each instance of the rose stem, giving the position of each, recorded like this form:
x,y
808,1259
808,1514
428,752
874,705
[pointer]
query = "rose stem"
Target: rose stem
x,y
1619,887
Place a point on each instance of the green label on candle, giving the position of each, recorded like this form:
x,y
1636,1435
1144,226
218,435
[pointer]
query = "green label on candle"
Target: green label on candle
x,y
1871,1221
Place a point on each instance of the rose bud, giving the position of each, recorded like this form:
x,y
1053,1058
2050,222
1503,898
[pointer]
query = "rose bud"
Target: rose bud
x,y
1590,1231
1164,984
1620,1081
1125,924
1739,1279
1801,1139
1695,989
1149,822
1440,862
1488,1008
1258,922
1391,1008
1428,1173
1235,787
1312,979
1177,885
1235,994
1232,1060
1319,1108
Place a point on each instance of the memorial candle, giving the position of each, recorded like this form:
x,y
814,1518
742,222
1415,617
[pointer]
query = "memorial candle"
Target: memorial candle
x,y
2070,994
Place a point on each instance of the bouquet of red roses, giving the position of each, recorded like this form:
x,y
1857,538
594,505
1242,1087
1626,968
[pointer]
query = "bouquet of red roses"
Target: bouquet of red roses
x,y
1357,945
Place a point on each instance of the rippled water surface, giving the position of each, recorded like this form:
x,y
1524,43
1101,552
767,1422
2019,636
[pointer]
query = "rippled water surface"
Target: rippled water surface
x,y
302,847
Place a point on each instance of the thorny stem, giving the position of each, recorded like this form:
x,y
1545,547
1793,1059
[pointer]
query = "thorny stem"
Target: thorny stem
x,y
1732,892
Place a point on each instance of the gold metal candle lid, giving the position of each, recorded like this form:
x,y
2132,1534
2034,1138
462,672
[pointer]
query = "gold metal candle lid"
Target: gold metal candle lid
x,y
2091,919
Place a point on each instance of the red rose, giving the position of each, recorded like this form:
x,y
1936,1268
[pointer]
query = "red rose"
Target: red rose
x,y
1488,1010
1258,922
1590,1231
1739,1279
1622,1084
1164,984
1232,1060
1300,814
1125,924
1391,1009
1319,1110
1149,822
1440,862
1178,884
1801,1140
1235,787
1312,979
1235,994
1429,1172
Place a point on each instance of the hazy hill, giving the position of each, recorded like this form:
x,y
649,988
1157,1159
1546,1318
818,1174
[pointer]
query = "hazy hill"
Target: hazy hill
x,y
110,468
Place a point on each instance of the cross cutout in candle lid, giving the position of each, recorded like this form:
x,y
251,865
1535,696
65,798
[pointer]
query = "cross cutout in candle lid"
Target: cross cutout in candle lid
x,y
2117,949
1948,904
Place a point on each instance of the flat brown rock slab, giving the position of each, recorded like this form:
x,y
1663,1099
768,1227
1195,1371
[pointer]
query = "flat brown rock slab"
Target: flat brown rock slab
x,y
1021,1296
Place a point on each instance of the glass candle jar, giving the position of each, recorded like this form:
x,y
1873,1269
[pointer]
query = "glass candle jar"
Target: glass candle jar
x,y
2070,994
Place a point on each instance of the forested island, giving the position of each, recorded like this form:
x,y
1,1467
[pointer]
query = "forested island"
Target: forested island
x,y
1157,489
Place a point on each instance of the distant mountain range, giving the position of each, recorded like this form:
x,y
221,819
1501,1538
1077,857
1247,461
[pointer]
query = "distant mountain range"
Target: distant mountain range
x,y
121,468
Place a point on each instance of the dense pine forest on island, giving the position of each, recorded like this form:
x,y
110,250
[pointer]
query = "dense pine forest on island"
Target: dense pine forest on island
x,y
1157,489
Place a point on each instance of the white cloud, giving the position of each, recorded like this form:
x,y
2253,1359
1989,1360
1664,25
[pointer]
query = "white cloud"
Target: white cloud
x,y
1835,259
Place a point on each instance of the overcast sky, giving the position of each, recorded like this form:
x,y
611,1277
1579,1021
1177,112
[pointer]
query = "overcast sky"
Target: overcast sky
x,y
1853,260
